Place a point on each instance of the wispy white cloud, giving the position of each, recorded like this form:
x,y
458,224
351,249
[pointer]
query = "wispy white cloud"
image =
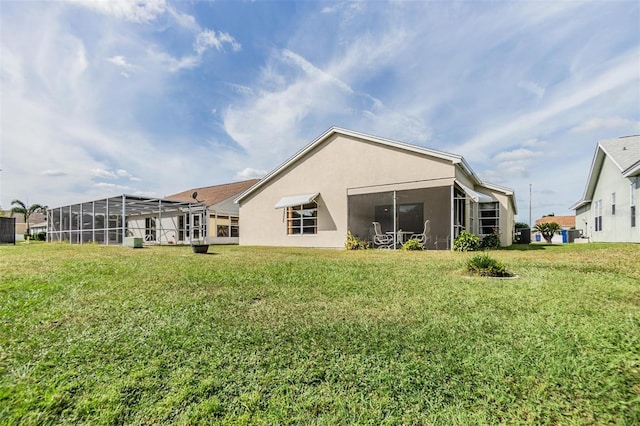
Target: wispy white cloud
x,y
533,88
471,78
621,72
238,88
53,173
535,143
142,11
598,123
250,173
113,187
121,61
208,38
517,155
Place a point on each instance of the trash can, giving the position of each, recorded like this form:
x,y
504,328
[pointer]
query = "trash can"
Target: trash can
x,y
573,234
565,236
537,238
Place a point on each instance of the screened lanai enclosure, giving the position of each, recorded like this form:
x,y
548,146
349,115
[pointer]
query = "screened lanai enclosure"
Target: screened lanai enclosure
x,y
401,214
111,220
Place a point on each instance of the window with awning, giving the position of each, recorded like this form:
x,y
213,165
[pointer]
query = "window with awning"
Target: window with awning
x,y
296,200
476,196
301,213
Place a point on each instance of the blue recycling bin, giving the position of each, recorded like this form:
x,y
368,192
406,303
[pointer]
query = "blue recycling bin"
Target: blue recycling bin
x,y
537,238
565,236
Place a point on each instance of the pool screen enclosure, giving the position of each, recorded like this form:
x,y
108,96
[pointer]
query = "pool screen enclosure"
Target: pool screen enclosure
x,y
110,220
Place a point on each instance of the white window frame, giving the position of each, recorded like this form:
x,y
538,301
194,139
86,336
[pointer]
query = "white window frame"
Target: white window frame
x,y
598,215
496,217
613,204
308,224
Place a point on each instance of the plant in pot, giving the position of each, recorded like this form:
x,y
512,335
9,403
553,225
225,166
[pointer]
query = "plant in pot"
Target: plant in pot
x,y
199,246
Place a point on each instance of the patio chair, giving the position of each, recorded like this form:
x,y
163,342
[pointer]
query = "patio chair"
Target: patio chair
x,y
381,240
425,237
440,240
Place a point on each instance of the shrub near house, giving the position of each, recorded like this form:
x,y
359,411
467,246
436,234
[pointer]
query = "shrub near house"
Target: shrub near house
x,y
548,230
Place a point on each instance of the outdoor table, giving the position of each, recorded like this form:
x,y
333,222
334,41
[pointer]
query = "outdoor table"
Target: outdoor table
x,y
401,236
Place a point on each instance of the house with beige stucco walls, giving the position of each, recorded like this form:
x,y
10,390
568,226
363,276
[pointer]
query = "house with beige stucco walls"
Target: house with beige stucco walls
x,y
344,181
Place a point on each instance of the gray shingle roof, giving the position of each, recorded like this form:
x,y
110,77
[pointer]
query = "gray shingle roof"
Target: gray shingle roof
x,y
625,152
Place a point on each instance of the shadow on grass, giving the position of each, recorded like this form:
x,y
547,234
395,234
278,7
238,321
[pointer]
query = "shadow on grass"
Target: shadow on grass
x,y
527,247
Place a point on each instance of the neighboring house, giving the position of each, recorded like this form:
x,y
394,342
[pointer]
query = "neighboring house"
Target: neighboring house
x,y
566,223
34,220
177,219
223,225
608,208
39,227
344,180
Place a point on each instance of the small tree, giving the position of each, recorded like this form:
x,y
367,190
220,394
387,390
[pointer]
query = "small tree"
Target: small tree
x,y
26,211
548,230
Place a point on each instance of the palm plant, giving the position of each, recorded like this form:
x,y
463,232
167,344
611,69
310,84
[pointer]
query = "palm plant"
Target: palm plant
x,y
548,230
26,211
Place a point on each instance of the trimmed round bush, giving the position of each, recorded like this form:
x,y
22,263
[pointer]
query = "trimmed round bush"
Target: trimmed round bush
x,y
412,245
466,241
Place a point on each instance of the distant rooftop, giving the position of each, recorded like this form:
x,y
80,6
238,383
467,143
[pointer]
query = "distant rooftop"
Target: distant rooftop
x,y
565,222
210,195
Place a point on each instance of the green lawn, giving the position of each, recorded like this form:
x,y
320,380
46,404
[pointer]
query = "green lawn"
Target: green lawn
x,y
110,335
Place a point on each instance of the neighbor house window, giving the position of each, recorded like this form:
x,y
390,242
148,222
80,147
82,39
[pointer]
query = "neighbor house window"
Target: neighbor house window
x,y
598,208
227,226
196,227
489,218
633,204
613,204
302,220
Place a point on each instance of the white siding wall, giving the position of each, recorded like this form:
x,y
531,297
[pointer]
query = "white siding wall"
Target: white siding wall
x,y
615,228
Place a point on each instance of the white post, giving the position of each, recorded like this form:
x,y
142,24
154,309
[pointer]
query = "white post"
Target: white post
x,y
395,225
124,215
452,214
161,233
93,221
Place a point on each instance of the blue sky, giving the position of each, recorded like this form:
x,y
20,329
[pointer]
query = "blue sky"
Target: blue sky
x,y
154,97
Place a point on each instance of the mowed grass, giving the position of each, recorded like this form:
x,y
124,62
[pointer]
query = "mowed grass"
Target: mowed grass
x,y
109,335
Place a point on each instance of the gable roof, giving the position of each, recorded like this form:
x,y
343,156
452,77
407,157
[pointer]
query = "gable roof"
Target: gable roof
x,y
210,195
624,152
35,217
453,158
563,221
